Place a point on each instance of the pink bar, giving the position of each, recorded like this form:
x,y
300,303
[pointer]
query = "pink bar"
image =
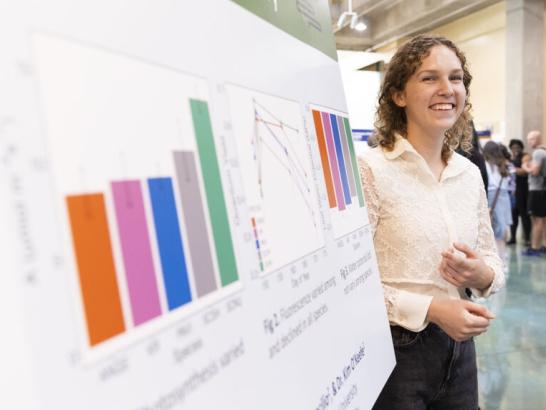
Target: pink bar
x,y
135,247
333,160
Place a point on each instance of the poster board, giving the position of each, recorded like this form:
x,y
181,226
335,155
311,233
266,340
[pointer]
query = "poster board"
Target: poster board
x,y
183,223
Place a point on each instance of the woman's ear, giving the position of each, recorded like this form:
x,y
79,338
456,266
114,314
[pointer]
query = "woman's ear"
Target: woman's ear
x,y
399,98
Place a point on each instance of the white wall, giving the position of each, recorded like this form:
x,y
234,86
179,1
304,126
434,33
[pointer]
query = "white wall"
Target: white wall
x,y
361,87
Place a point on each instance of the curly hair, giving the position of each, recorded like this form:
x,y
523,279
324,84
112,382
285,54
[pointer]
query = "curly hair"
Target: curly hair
x,y
391,119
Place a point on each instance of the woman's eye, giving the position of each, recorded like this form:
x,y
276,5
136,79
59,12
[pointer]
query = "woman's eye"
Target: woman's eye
x,y
457,78
428,78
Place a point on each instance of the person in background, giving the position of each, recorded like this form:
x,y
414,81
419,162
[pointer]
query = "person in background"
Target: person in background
x,y
522,191
498,194
511,175
475,155
535,166
372,140
431,229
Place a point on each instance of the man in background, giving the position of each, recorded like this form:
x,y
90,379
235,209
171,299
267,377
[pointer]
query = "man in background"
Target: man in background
x,y
519,209
536,168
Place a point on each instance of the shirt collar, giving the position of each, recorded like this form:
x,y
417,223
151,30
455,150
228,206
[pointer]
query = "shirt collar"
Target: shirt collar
x,y
401,145
455,165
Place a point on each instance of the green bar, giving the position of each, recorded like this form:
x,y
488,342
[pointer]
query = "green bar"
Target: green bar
x,y
353,161
214,191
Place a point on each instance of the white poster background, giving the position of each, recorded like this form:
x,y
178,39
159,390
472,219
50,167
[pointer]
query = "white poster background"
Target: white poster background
x,y
311,335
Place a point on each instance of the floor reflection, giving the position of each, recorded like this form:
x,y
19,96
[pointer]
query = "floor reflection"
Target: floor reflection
x,y
512,354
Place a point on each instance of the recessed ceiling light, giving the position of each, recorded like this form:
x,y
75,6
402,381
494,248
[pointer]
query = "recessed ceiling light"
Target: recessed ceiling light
x,y
360,26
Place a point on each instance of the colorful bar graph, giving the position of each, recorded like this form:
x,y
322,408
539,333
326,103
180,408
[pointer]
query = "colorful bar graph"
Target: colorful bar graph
x,y
324,159
346,155
353,160
96,269
187,217
340,160
337,153
214,192
171,250
136,251
333,161
195,222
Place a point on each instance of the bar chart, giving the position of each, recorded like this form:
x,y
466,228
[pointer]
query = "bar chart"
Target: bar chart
x,y
339,170
92,243
274,157
144,208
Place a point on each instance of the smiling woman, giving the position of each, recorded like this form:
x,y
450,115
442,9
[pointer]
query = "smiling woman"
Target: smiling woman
x,y
431,226
425,53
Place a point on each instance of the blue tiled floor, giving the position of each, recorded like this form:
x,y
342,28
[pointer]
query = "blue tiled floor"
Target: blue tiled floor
x,y
512,354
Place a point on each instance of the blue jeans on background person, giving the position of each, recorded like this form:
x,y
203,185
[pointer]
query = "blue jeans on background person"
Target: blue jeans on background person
x,y
432,372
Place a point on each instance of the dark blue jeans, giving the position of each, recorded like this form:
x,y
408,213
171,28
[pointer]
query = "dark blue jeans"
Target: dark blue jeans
x,y
433,372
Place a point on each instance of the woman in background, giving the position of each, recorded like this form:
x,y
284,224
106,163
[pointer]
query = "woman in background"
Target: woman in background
x,y
498,194
431,228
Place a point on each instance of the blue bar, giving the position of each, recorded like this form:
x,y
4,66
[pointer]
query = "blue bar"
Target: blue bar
x,y
340,160
167,228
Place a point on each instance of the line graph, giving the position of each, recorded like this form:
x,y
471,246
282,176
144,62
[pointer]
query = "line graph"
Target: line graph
x,y
274,157
278,141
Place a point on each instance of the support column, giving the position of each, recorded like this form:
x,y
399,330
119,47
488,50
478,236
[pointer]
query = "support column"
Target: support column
x,y
524,67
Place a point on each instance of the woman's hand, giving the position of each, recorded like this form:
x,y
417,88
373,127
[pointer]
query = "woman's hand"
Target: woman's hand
x,y
460,319
467,270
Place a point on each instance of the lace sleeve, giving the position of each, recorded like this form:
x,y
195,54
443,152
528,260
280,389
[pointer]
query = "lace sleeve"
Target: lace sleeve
x,y
370,193
487,249
390,295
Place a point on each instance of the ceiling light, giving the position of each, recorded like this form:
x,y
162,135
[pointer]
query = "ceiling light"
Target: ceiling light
x,y
349,14
360,26
354,20
341,19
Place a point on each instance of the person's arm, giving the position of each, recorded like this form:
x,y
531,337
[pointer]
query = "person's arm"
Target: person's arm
x,y
371,196
519,170
405,308
460,319
466,268
531,166
479,269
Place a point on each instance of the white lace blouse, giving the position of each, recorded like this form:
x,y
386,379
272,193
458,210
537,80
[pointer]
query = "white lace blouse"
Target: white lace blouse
x,y
414,218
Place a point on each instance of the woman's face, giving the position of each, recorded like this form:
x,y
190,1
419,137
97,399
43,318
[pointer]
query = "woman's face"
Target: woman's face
x,y
516,150
434,95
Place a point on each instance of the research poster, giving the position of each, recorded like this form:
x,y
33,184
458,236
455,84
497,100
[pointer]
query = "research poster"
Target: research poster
x,y
182,218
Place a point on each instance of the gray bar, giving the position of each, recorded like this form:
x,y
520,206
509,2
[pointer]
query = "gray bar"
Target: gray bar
x,y
195,222
346,154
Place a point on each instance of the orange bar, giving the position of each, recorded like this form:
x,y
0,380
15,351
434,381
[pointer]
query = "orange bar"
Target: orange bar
x,y
98,282
324,159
